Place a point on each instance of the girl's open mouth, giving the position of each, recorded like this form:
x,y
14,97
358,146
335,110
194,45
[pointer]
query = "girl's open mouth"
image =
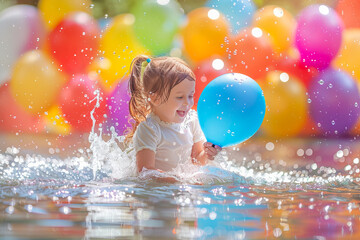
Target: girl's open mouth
x,y
181,113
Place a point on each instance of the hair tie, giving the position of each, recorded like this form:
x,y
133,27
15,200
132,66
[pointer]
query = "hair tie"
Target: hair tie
x,y
143,66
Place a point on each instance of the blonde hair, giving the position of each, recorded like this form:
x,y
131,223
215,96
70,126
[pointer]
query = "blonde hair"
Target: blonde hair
x,y
157,77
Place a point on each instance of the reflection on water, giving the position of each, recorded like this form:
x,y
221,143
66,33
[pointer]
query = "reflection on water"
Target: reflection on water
x,y
289,189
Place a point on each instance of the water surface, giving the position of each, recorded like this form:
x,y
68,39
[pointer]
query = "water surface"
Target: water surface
x,y
70,188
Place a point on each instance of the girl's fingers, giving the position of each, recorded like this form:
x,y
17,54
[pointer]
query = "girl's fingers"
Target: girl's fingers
x,y
210,156
211,151
210,145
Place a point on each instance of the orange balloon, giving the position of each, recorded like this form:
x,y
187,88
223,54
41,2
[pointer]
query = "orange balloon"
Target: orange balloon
x,y
348,58
310,128
286,104
278,23
205,34
250,53
348,10
36,81
356,129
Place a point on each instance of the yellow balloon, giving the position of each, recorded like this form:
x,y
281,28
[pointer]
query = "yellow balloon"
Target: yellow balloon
x,y
286,105
119,47
36,81
278,23
348,58
53,11
55,123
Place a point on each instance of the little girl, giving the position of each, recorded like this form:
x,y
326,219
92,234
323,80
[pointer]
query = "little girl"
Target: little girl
x,y
166,131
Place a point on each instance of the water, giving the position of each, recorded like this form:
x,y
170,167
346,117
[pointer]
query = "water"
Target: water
x,y
73,188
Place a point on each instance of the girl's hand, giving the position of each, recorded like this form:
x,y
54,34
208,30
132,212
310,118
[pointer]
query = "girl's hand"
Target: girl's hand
x,y
211,150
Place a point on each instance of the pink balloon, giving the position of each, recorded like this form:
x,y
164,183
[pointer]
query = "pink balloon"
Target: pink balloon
x,y
318,35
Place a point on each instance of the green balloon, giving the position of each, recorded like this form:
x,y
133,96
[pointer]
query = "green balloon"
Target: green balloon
x,y
156,24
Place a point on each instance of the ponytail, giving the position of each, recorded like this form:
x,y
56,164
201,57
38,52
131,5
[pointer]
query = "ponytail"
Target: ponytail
x,y
139,107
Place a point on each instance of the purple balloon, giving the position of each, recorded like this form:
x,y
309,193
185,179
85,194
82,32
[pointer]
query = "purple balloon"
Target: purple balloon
x,y
334,102
318,35
118,104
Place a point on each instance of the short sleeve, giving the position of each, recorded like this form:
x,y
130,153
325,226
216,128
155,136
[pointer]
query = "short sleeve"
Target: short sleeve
x,y
198,134
146,137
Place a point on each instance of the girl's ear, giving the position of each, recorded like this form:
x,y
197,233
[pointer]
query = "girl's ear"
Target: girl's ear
x,y
154,99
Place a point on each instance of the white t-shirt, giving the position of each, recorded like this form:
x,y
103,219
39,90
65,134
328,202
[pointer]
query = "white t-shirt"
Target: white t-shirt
x,y
171,142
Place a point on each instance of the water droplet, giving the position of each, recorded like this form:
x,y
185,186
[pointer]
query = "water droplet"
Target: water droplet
x,y
212,215
270,146
277,232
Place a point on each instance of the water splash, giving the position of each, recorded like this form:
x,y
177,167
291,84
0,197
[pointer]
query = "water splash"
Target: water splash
x,y
113,155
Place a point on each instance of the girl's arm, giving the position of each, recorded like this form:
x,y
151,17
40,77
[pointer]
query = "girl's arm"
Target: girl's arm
x,y
145,160
202,152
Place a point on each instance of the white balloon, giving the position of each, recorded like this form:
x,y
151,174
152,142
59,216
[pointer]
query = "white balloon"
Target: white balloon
x,y
21,29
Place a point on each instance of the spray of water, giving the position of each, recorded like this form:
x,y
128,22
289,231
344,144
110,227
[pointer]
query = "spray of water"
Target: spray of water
x,y
113,160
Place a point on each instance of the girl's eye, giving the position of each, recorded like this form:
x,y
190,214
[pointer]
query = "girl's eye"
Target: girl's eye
x,y
179,97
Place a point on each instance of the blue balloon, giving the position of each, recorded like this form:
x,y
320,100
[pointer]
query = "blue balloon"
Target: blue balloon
x,y
238,12
231,109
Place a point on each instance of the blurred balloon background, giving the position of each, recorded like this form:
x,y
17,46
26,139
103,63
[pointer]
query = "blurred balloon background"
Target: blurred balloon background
x,y
57,58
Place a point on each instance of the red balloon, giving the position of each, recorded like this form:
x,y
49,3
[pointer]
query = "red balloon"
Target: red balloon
x,y
74,42
13,118
205,72
294,67
76,103
250,53
348,10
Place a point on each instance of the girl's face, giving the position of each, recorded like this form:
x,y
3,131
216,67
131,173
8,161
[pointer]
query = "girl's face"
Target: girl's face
x,y
180,101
